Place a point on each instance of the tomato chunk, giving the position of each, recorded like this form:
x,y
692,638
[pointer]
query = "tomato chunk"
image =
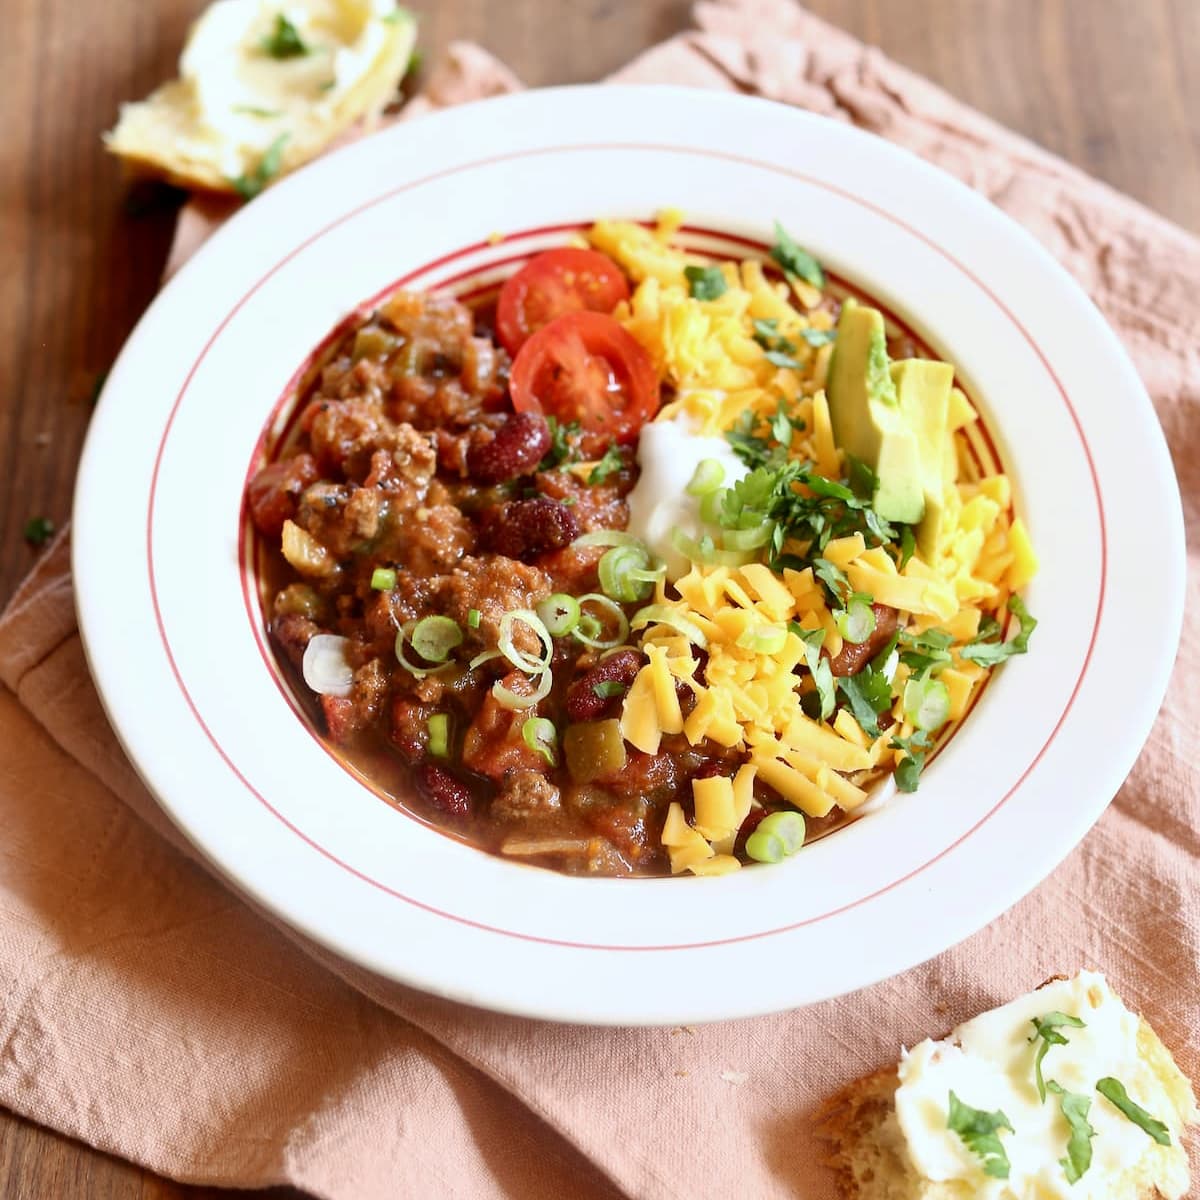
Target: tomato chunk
x,y
585,367
552,284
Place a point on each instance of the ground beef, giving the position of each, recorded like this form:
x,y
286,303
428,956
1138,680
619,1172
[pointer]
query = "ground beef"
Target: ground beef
x,y
594,506
525,795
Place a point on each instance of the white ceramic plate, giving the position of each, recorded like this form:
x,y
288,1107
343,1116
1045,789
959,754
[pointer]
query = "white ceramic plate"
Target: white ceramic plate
x,y
174,643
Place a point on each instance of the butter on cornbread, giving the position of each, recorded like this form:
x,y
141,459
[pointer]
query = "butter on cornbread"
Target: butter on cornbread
x,y
1062,1093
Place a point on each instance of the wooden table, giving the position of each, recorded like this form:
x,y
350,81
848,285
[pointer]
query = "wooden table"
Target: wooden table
x,y
1107,84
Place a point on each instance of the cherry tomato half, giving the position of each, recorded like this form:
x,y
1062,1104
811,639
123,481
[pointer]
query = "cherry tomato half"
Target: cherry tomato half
x,y
585,367
552,284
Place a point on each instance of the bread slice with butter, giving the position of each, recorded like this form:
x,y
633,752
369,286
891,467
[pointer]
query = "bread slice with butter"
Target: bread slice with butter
x,y
263,87
1062,1093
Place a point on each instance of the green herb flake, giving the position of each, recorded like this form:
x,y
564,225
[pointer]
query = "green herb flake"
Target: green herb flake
x,y
926,652
253,110
980,1132
1075,1108
909,768
779,358
818,666
609,688
284,40
705,283
818,337
1046,1028
610,464
1113,1090
564,447
38,530
989,654
908,546
869,694
249,184
833,577
795,260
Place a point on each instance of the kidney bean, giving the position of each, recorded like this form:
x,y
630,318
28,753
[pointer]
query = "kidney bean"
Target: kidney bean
x,y
852,658
583,704
525,529
443,791
519,445
274,491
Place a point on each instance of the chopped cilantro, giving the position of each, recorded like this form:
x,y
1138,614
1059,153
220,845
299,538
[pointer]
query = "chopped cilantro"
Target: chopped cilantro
x,y
1079,1146
609,688
38,530
284,41
767,335
988,654
610,464
705,283
833,577
908,545
909,768
926,652
980,1132
818,665
778,358
818,337
563,448
795,260
782,426
249,184
869,694
1113,1090
1047,1028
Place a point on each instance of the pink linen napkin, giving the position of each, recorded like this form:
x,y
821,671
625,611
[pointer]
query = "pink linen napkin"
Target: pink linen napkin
x,y
148,1011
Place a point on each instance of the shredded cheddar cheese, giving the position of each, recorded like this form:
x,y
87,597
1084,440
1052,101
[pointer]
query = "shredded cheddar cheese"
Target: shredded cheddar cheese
x,y
714,357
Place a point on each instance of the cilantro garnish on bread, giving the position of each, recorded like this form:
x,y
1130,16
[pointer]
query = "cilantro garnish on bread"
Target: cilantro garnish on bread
x,y
1061,1093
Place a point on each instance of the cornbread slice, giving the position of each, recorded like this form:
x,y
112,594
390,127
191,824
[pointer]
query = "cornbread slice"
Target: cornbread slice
x,y
1105,1124
263,87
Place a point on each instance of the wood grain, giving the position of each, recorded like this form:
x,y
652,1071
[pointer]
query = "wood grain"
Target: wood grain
x,y
1107,84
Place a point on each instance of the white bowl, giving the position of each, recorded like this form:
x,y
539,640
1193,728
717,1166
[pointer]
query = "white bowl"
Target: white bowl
x,y
174,637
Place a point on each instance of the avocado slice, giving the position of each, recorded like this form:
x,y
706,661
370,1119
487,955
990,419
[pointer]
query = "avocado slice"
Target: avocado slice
x,y
923,394
867,419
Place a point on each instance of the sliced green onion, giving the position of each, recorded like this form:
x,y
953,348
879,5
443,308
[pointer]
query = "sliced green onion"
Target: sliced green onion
x,y
559,613
439,735
434,637
514,702
748,539
541,736
325,666
615,573
703,551
518,658
584,630
607,537
383,579
418,669
763,638
662,614
778,835
711,505
927,703
473,618
708,476
856,622
482,657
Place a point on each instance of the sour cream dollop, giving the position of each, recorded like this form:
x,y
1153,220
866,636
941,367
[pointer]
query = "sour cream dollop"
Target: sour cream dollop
x,y
668,454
